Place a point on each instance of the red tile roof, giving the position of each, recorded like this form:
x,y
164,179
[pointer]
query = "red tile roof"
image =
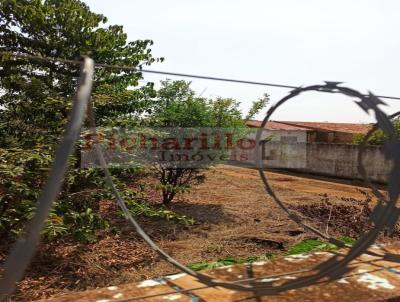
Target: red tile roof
x,y
309,126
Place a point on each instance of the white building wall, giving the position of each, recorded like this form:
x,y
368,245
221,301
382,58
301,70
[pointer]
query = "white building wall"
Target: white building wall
x,y
336,160
277,156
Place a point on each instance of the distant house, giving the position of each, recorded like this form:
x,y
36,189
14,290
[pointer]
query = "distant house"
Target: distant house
x,y
310,132
312,147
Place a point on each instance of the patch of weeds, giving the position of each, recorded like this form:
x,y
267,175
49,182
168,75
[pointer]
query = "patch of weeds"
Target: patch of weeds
x,y
347,240
306,246
311,245
251,259
198,266
228,260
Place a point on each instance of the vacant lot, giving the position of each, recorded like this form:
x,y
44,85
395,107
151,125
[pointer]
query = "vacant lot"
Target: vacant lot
x,y
234,217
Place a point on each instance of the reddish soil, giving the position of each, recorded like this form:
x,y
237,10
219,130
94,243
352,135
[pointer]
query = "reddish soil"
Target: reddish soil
x,y
234,217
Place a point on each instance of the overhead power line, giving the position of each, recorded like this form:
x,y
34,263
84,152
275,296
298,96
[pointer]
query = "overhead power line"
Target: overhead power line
x,y
170,73
216,78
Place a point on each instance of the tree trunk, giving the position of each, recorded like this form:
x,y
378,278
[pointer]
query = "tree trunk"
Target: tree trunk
x,y
167,197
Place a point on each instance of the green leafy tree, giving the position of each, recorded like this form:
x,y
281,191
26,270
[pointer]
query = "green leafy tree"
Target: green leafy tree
x,y
177,106
377,137
36,93
35,100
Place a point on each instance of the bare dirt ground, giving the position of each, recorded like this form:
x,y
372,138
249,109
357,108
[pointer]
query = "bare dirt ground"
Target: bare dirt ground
x,y
234,217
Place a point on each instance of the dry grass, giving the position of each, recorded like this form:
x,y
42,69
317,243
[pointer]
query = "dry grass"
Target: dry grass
x,y
234,217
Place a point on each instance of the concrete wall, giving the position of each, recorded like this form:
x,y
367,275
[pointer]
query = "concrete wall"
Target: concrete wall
x,y
278,150
337,160
284,155
341,160
298,136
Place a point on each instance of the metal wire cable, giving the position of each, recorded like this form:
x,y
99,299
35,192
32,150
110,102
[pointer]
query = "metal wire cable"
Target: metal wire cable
x,y
24,249
170,73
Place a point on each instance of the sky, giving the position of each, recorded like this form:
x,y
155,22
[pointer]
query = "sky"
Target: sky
x,y
286,42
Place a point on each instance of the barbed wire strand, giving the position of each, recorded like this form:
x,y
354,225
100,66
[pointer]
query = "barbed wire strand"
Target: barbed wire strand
x,y
169,73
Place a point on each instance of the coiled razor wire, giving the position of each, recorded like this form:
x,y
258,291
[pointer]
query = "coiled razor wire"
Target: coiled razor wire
x,y
384,215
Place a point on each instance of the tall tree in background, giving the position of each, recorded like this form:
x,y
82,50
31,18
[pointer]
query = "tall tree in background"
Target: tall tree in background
x,y
35,96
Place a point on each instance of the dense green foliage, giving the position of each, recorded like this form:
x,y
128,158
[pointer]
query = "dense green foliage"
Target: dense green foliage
x,y
22,173
378,137
36,95
35,99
